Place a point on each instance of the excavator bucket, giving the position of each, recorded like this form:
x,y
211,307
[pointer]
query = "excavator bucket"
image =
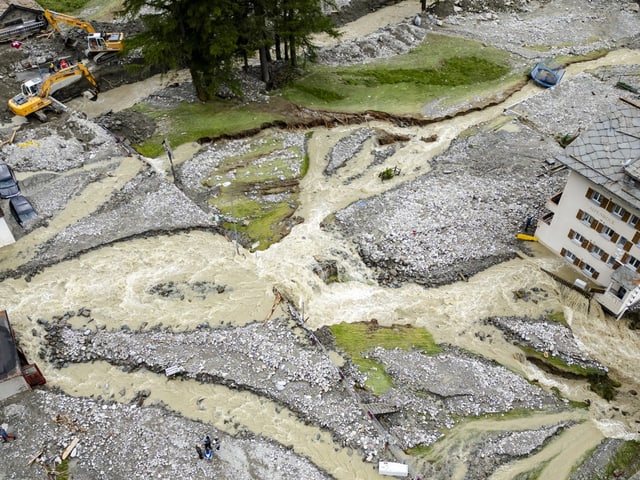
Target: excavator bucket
x,y
93,95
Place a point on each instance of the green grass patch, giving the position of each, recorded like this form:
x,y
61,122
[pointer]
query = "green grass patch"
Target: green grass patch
x,y
187,122
558,317
603,386
442,66
599,382
63,5
258,190
627,459
533,474
558,365
62,470
356,339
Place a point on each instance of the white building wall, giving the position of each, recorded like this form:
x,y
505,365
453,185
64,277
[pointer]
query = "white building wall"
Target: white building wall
x,y
12,386
556,235
6,237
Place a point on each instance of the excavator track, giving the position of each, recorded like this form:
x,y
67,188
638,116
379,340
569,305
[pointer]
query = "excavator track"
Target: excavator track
x,y
103,57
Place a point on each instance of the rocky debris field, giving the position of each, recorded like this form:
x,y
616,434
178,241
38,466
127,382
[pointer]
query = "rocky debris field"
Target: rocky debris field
x,y
457,219
129,441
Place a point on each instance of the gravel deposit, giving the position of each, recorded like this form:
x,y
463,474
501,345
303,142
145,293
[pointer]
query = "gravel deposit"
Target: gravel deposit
x,y
457,219
400,233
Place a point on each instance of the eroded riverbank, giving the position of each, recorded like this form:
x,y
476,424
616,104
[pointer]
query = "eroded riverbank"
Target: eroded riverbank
x,y
168,298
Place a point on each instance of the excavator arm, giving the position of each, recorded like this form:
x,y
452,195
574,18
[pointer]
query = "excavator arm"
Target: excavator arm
x,y
54,17
100,46
25,104
65,73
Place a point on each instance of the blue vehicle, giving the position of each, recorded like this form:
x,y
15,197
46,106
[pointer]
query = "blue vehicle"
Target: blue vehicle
x,y
547,74
8,183
22,210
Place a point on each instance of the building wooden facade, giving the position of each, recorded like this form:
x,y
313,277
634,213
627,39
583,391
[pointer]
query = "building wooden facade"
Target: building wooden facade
x,y
594,223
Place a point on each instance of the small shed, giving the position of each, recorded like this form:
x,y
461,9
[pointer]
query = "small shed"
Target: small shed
x,y
17,22
16,374
6,237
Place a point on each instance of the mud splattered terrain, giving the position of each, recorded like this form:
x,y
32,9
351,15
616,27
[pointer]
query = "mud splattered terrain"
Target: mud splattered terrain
x,y
125,274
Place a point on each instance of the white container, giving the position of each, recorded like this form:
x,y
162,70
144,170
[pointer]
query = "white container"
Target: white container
x,y
393,469
581,284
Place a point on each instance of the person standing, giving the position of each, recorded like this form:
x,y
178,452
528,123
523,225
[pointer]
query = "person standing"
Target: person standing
x,y
5,436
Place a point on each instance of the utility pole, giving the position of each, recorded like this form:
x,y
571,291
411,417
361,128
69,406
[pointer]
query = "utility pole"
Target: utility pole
x,y
235,221
167,148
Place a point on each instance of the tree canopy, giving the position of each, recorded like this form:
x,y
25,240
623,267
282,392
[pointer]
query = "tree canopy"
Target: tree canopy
x,y
208,37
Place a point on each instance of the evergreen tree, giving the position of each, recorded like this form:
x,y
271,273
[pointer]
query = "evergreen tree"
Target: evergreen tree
x,y
206,36
199,35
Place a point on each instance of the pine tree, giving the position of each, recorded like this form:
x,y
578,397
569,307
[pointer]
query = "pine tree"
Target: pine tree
x,y
207,36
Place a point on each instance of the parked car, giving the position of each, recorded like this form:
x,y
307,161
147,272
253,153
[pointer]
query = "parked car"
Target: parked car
x,y
8,183
21,209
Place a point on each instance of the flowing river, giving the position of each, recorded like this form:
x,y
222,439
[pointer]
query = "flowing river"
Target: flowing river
x,y
114,281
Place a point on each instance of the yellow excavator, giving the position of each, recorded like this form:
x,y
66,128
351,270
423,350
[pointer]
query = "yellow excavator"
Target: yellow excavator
x,y
35,96
101,47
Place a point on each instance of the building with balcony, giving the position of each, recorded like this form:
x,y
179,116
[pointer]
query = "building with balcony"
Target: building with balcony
x,y
594,223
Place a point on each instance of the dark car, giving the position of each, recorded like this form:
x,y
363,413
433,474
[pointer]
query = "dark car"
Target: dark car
x,y
8,183
21,209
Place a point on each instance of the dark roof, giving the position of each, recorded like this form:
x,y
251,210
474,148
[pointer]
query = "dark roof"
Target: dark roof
x,y
13,6
9,360
608,152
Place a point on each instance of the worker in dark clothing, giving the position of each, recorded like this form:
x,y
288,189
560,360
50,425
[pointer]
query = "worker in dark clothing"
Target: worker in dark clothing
x,y
207,442
5,436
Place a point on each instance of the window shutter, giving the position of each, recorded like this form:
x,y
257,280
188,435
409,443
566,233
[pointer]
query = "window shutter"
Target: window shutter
x,y
563,251
608,205
597,226
589,193
624,258
587,245
579,215
571,233
595,275
604,257
625,216
615,266
636,237
615,237
627,246
579,263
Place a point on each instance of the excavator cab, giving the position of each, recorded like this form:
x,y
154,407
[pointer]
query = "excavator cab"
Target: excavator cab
x,y
27,103
102,47
31,87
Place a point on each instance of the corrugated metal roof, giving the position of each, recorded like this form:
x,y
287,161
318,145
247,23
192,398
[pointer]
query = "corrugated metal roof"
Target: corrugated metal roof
x,y
608,152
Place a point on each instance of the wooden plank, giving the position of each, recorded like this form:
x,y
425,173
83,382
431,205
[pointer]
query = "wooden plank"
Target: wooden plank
x,y
630,102
35,457
69,449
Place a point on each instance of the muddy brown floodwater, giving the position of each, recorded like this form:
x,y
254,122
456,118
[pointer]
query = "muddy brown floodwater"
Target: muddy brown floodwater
x,y
115,280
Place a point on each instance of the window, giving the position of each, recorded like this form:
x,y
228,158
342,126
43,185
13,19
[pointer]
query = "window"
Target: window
x,y
586,218
633,262
570,257
589,270
607,232
597,198
633,221
578,238
611,261
621,292
622,241
618,211
597,251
